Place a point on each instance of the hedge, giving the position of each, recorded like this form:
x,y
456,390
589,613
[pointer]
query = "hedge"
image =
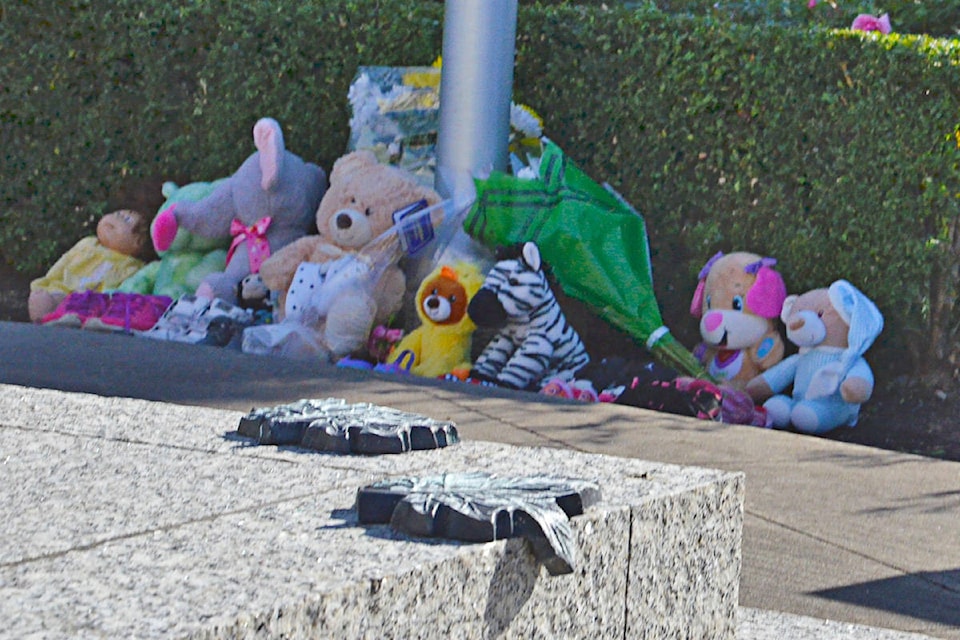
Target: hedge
x,y
95,96
939,18
834,151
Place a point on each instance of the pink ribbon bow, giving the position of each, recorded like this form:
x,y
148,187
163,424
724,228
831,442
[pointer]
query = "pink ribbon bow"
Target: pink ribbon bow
x,y
258,247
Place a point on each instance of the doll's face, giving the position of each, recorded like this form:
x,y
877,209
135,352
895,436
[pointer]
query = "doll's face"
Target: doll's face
x,y
121,231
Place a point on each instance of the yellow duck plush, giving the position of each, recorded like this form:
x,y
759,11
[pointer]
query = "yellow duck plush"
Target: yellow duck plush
x,y
442,343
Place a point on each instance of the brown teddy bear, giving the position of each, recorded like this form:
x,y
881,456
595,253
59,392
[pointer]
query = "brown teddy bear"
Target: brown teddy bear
x,y
356,210
442,342
738,301
833,327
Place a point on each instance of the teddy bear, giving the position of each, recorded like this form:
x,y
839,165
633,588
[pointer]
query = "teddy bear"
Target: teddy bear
x,y
833,327
442,342
265,205
738,300
351,255
189,258
534,344
96,263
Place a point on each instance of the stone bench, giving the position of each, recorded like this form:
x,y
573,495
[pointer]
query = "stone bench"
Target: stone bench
x,y
127,518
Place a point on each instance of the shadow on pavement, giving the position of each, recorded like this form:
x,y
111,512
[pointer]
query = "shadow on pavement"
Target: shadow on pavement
x,y
918,595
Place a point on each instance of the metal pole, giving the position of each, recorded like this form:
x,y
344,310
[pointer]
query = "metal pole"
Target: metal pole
x,y
476,86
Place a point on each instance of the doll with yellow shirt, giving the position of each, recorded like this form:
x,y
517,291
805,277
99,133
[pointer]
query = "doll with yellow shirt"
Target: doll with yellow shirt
x,y
95,263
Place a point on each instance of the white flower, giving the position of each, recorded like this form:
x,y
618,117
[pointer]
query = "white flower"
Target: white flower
x,y
524,120
363,96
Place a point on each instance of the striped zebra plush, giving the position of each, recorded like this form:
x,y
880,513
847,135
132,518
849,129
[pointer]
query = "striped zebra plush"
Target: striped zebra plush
x,y
535,343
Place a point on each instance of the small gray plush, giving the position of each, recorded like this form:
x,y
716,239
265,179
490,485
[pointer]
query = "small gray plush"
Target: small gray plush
x,y
268,203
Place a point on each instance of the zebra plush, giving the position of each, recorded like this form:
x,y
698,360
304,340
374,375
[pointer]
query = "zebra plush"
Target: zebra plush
x,y
534,342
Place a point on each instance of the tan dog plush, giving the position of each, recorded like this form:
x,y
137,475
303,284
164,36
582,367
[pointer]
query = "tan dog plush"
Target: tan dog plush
x,y
356,209
738,301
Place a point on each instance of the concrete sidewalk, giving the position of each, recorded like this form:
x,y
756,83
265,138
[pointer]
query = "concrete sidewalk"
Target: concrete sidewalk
x,y
831,531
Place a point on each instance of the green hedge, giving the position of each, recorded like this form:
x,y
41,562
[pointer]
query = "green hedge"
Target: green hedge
x,y
96,97
834,151
931,17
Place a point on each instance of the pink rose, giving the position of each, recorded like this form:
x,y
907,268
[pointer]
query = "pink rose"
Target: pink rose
x,y
867,22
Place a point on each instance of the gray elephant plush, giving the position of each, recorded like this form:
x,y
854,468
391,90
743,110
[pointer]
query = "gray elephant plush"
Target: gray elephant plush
x,y
268,203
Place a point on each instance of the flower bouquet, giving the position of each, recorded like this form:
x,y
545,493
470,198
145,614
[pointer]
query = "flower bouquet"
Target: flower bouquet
x,y
594,241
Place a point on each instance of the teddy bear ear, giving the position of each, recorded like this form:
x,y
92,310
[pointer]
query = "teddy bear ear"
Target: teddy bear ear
x,y
448,273
353,161
788,303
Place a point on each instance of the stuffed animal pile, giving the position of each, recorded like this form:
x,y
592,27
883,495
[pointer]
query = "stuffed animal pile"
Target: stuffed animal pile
x,y
322,261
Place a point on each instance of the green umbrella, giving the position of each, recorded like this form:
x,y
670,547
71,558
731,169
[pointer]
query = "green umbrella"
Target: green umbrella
x,y
594,241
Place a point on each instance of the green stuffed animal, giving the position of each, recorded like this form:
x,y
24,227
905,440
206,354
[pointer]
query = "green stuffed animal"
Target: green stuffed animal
x,y
191,258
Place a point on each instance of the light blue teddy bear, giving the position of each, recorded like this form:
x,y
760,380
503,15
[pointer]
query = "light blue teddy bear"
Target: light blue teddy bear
x,y
833,328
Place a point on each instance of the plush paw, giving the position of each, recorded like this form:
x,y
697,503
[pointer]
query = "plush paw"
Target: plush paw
x,y
805,418
778,412
825,381
856,390
164,229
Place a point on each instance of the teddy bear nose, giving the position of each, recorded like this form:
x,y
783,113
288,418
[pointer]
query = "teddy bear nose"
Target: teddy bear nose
x,y
344,221
433,303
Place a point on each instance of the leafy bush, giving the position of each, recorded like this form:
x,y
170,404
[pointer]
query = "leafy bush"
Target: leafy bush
x,y
939,18
95,97
833,151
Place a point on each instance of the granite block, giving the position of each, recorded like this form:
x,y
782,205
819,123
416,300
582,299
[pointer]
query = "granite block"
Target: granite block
x,y
126,518
689,589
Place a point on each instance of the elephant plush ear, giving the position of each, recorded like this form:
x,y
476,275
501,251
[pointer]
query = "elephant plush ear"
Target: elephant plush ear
x,y
268,138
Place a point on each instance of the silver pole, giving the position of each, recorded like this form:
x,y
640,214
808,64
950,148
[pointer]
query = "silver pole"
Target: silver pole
x,y
476,86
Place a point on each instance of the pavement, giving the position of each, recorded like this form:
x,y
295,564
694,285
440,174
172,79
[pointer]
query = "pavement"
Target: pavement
x,y
839,540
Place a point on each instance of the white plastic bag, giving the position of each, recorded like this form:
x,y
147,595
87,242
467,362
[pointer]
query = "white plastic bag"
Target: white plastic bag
x,y
287,339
